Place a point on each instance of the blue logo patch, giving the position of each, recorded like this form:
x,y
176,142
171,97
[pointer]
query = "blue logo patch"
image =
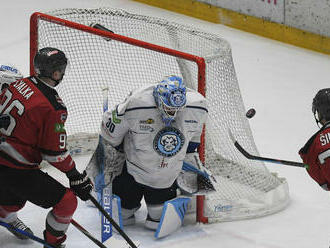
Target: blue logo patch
x,y
8,68
168,141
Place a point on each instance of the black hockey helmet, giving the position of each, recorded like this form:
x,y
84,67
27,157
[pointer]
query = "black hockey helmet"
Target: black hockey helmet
x,y
48,60
321,105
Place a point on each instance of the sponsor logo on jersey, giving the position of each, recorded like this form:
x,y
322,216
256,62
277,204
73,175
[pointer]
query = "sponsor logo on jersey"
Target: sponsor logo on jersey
x,y
59,100
163,164
149,121
8,68
63,117
146,128
190,121
59,128
115,118
168,141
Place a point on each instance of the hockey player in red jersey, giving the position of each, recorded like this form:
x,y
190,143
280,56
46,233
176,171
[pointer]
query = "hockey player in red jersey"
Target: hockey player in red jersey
x,y
9,74
34,131
316,152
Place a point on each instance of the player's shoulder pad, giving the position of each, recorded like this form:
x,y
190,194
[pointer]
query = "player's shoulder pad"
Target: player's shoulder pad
x,y
196,100
141,98
49,93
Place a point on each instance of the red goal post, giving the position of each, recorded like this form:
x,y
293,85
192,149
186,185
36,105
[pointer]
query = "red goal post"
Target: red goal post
x,y
142,50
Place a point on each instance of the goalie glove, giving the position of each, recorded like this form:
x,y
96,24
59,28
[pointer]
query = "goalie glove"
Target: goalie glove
x,y
187,183
195,179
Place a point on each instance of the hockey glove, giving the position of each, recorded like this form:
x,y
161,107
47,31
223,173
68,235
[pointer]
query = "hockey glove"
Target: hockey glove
x,y
80,184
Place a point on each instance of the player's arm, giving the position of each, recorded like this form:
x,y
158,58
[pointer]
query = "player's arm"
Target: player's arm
x,y
317,169
194,177
324,164
192,156
325,171
52,140
53,149
114,127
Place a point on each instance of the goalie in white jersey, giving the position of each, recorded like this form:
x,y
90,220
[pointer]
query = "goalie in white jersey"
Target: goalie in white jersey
x,y
157,127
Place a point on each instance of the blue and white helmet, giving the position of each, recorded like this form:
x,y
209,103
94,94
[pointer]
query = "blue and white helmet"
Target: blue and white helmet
x,y
8,74
170,97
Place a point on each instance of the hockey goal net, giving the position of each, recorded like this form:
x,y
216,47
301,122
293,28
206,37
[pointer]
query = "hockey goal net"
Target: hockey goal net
x,y
143,50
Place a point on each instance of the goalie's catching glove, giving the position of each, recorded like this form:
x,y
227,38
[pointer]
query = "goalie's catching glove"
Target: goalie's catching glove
x,y
202,184
80,184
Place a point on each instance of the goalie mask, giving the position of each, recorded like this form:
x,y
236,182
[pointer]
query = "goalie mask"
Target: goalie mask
x,y
170,97
8,74
321,106
48,60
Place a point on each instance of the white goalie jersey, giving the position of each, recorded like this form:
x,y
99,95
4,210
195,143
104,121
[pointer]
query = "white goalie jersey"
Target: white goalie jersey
x,y
154,152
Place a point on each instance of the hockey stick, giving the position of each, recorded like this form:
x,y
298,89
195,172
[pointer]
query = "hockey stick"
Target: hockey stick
x,y
29,235
116,226
101,27
103,189
106,194
264,159
87,234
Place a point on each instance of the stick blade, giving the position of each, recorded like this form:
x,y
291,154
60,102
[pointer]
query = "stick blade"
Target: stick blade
x,y
239,147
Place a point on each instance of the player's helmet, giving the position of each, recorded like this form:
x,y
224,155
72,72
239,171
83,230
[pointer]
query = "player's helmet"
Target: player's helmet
x,y
321,105
170,97
8,74
48,60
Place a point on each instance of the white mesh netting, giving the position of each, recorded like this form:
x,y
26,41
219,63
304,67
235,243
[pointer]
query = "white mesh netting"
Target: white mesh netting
x,y
246,189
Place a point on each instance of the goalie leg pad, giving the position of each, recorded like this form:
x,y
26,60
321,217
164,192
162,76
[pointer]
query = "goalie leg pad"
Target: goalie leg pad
x,y
116,210
112,205
172,216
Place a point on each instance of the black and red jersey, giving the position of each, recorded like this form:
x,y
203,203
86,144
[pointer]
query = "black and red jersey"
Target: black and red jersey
x,y
36,129
316,153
